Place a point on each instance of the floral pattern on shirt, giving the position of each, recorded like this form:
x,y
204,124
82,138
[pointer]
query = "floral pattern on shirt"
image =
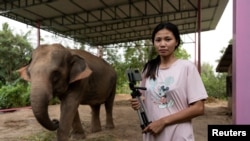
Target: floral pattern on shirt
x,y
160,92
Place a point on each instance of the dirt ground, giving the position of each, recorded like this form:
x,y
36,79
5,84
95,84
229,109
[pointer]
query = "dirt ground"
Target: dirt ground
x,y
21,124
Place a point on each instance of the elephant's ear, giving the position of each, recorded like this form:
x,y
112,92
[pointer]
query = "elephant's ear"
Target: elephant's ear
x,y
23,73
79,69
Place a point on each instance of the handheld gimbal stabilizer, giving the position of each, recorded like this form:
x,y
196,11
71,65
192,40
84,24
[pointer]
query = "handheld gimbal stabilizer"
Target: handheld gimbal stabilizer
x,y
133,76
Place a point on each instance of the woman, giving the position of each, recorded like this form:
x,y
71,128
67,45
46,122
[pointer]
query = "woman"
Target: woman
x,y
175,93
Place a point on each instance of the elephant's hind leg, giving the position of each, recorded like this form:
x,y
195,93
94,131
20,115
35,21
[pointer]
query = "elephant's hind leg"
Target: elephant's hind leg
x,y
95,120
77,129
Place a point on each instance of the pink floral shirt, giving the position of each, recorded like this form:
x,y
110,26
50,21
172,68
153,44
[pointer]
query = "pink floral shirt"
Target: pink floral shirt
x,y
173,90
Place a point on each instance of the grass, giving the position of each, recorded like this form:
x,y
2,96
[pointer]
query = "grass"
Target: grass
x,y
51,136
41,136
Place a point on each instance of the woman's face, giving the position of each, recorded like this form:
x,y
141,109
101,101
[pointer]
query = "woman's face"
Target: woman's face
x,y
165,42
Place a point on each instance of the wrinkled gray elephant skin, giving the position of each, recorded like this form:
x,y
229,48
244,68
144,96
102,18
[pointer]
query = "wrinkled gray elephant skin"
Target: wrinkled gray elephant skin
x,y
75,77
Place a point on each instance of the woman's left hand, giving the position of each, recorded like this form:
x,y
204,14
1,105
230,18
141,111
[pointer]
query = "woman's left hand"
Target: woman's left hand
x,y
155,127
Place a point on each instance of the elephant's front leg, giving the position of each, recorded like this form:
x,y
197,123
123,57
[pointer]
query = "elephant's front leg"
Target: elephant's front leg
x,y
77,131
95,119
69,109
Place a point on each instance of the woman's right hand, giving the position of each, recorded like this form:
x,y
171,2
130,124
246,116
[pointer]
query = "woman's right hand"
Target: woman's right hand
x,y
135,104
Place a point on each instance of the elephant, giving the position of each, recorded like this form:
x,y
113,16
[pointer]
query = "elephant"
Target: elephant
x,y
76,77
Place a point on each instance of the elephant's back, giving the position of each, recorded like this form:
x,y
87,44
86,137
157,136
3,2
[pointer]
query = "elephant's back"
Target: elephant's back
x,y
91,59
98,65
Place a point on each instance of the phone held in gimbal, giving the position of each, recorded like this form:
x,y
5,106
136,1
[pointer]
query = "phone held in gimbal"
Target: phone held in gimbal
x,y
133,76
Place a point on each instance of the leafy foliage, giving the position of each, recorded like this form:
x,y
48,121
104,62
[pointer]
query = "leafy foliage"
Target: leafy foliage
x,y
15,51
14,95
215,84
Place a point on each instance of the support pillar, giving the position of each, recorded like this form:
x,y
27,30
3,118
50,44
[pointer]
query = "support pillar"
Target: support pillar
x,y
38,33
241,64
199,35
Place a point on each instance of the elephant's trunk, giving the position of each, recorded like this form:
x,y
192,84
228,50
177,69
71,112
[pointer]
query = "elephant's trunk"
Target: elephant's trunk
x,y
39,103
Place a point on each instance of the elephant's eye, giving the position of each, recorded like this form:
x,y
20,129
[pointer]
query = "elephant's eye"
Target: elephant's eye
x,y
56,76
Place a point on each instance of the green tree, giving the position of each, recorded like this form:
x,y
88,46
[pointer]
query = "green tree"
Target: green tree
x,y
115,59
215,84
15,51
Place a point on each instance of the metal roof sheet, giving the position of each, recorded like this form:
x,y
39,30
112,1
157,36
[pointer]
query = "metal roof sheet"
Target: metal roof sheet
x,y
103,22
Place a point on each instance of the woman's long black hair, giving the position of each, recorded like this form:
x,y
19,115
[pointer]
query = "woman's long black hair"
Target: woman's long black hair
x,y
151,66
